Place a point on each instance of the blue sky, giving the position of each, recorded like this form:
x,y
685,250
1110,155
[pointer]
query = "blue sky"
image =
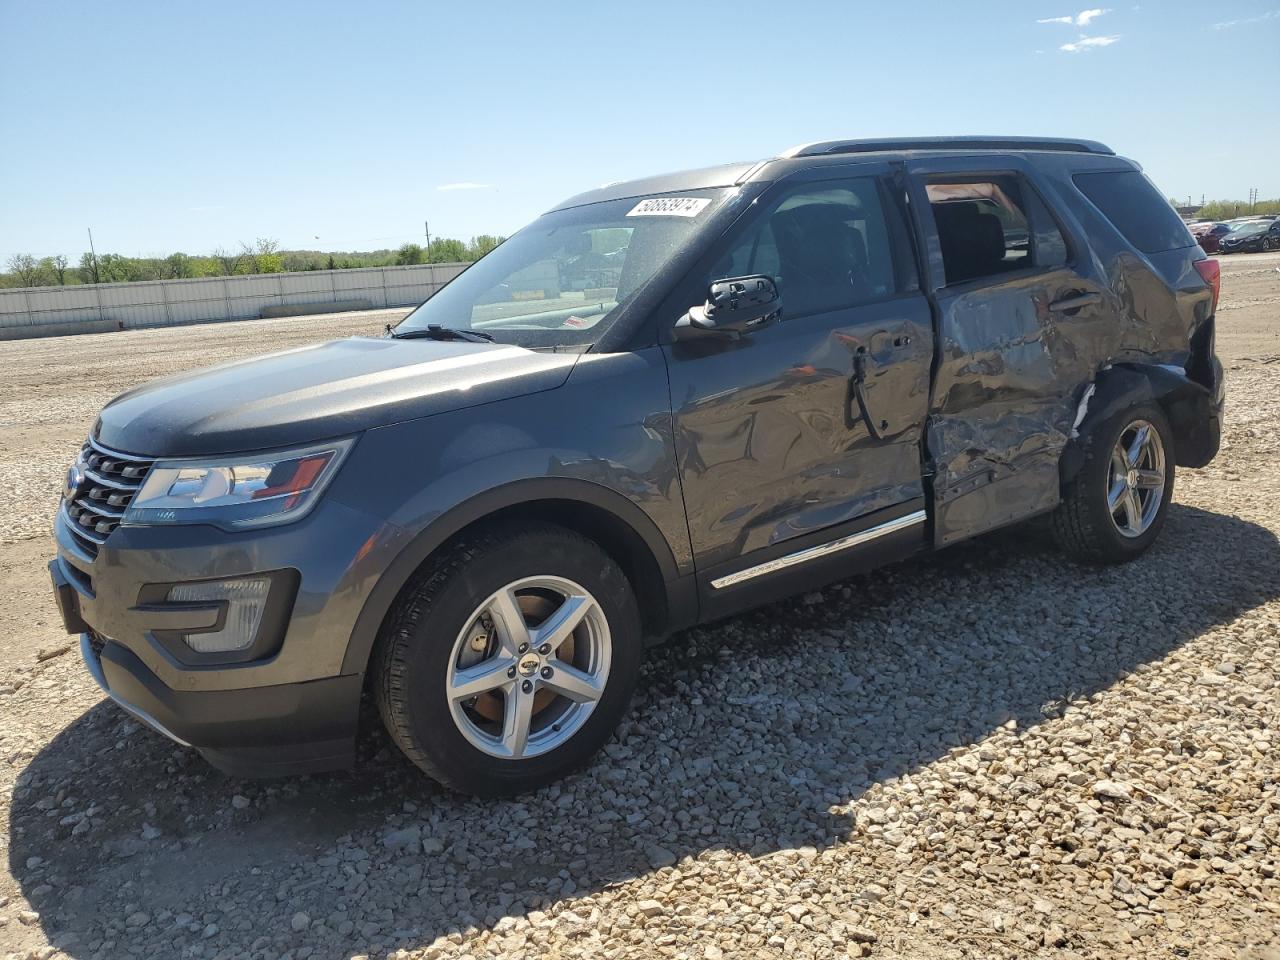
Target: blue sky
x,y
180,126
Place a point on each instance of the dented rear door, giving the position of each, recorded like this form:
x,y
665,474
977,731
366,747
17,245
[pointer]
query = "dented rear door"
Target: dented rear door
x,y
1016,345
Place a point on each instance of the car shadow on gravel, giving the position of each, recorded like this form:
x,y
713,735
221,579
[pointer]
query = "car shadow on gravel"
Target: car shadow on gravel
x,y
751,735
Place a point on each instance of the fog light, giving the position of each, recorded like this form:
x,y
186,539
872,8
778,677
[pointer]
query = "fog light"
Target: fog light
x,y
246,599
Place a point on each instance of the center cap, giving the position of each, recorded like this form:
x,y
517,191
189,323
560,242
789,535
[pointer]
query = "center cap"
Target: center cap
x,y
529,664
1132,478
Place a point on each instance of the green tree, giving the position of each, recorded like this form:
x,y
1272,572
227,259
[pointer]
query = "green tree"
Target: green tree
x,y
481,245
409,254
267,254
113,268
27,269
263,256
180,266
1228,209
88,268
57,267
228,262
446,250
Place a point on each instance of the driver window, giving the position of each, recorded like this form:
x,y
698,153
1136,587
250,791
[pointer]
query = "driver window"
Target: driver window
x,y
826,246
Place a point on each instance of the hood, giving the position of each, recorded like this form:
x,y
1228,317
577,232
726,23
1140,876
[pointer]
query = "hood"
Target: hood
x,y
317,392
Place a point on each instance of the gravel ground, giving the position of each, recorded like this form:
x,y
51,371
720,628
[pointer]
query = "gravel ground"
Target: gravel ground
x,y
985,753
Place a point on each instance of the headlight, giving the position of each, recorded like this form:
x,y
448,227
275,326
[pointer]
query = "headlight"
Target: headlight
x,y
243,491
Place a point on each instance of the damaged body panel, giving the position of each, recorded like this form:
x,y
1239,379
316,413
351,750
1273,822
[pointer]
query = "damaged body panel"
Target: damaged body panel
x,y
1053,311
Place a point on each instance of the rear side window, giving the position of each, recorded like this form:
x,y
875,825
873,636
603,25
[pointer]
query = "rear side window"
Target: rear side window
x,y
1135,208
992,226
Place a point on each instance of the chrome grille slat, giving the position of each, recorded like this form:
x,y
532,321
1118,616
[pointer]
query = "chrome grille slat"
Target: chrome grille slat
x,y
88,504
99,504
106,481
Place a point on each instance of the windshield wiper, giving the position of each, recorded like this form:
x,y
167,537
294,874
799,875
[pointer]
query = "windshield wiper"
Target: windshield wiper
x,y
434,331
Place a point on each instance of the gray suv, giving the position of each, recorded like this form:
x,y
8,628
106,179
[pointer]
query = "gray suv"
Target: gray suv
x,y
663,402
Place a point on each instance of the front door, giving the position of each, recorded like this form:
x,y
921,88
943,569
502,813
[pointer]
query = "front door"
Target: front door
x,y
800,434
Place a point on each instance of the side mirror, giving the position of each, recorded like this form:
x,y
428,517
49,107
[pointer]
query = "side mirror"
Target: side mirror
x,y
734,306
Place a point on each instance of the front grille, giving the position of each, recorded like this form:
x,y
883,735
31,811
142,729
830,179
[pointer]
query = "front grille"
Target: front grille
x,y
110,481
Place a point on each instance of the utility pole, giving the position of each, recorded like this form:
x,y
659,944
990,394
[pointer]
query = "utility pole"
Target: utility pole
x,y
94,254
427,229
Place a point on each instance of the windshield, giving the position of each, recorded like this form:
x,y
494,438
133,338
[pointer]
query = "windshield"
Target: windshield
x,y
562,280
1255,227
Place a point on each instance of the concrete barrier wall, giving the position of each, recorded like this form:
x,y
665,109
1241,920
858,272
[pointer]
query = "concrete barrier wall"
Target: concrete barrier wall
x,y
91,308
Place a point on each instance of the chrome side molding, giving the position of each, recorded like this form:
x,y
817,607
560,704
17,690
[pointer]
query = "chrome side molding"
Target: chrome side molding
x,y
821,550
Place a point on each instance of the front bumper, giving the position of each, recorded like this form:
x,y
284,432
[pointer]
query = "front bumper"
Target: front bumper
x,y
287,709
267,731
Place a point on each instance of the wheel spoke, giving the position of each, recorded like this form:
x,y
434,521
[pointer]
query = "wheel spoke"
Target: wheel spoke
x,y
515,631
516,718
483,677
1133,511
1136,447
573,683
1150,479
1116,494
557,627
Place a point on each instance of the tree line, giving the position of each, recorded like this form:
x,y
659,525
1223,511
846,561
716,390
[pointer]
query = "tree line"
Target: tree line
x,y
1230,209
262,256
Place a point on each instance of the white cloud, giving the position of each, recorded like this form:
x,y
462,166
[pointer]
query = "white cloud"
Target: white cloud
x,y
1081,19
1228,24
464,185
1088,43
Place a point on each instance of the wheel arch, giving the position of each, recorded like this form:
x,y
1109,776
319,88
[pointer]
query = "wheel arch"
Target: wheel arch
x,y
617,524
1187,404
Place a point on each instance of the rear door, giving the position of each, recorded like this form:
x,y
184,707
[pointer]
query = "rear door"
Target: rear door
x,y
806,433
1014,293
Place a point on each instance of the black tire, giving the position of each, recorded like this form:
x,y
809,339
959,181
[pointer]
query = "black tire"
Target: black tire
x,y
1083,524
413,655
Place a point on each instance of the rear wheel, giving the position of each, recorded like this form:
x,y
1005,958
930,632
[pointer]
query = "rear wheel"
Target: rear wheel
x,y
1115,507
510,662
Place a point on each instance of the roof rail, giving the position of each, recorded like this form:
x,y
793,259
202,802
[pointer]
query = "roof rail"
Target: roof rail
x,y
876,145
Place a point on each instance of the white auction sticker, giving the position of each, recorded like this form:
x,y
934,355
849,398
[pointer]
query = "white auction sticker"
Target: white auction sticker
x,y
669,207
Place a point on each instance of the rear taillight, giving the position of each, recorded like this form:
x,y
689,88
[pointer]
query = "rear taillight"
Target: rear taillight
x,y
1211,273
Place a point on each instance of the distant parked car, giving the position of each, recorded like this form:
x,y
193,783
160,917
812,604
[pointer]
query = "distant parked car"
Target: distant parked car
x,y
1209,234
1252,236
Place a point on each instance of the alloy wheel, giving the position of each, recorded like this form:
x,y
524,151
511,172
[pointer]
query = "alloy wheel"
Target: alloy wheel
x,y
1135,485
529,667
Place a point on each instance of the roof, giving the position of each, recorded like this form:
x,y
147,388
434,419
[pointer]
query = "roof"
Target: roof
x,y
732,174
895,144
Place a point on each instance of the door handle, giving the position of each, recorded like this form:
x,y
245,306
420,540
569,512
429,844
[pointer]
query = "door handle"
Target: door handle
x,y
1070,304
860,366
857,401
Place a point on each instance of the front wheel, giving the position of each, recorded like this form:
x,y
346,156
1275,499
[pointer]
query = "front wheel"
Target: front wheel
x,y
511,660
1113,509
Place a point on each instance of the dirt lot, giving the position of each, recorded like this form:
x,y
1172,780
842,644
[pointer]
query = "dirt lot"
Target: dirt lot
x,y
986,753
